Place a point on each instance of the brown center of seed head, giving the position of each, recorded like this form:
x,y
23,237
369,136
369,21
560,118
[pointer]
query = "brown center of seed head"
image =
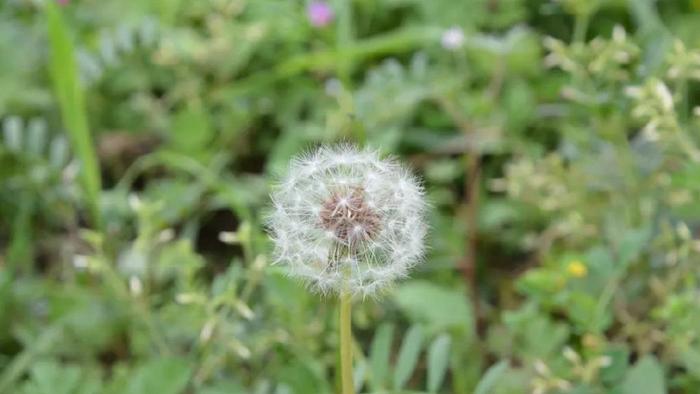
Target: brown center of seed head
x,y
347,214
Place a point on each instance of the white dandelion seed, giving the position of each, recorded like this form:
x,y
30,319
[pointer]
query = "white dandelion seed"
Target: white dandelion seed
x,y
343,219
452,39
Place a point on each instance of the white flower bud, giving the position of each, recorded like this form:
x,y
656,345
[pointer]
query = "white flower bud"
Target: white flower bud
x,y
135,286
664,95
244,310
228,237
207,331
571,355
452,39
81,262
166,235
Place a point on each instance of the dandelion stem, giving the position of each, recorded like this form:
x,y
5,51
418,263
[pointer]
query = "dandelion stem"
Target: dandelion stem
x,y
346,344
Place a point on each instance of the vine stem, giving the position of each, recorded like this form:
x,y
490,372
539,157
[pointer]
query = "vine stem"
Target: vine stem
x,y
346,343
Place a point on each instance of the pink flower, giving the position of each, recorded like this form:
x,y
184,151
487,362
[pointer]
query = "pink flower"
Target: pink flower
x,y
320,13
62,2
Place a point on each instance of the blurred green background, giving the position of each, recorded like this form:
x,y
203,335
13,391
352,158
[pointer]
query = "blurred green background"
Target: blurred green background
x,y
558,141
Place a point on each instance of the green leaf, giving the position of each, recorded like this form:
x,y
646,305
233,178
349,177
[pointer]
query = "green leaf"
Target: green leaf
x,y
303,375
614,372
691,360
20,252
408,356
225,387
14,371
646,377
64,74
528,323
438,357
633,243
191,130
50,377
439,308
359,374
652,33
162,376
491,377
380,352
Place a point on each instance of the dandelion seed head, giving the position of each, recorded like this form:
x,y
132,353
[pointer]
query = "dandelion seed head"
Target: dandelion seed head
x,y
353,221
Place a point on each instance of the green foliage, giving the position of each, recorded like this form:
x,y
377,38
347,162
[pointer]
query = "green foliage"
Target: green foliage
x,y
439,309
491,377
646,377
408,356
64,73
50,377
438,356
558,140
380,355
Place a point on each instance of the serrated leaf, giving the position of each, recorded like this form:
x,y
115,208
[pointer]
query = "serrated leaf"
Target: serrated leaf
x,y
408,356
438,357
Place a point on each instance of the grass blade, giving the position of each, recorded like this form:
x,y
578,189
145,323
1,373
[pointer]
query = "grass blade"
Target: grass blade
x,y
64,75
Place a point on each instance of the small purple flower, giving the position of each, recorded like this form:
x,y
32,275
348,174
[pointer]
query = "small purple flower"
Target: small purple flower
x,y
320,13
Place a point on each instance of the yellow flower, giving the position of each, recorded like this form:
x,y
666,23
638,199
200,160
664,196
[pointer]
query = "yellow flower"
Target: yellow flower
x,y
577,269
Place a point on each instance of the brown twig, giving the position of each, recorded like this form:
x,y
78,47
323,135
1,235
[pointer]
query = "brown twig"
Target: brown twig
x,y
468,265
472,185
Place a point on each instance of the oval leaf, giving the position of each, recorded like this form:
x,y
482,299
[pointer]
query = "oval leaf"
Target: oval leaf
x,y
379,355
491,377
646,377
408,356
438,357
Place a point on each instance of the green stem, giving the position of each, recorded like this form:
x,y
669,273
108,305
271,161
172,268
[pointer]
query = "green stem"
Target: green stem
x,y
581,27
344,38
682,89
138,308
346,344
14,371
